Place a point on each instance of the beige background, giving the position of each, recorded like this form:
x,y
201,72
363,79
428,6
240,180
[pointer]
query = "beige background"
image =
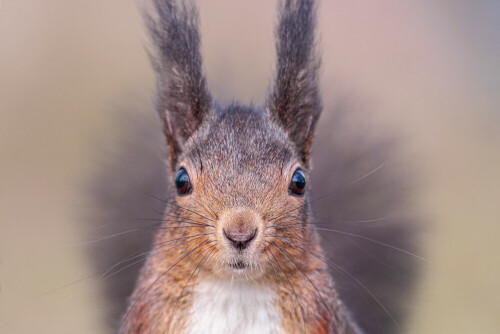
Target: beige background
x,y
429,68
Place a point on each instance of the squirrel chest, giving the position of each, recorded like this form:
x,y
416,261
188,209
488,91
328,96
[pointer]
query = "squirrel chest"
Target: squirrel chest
x,y
221,306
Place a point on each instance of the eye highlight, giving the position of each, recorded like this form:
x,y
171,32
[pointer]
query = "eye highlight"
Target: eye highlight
x,y
298,183
182,182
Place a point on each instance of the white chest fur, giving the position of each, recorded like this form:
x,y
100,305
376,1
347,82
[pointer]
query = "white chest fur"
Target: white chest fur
x,y
242,307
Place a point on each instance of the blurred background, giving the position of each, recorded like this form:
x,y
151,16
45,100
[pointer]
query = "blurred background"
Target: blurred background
x,y
75,82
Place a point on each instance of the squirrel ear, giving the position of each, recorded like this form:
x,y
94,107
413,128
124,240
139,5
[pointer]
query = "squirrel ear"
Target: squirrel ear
x,y
183,99
294,102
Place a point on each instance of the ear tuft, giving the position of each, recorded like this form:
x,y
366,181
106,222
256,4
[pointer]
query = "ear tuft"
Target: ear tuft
x,y
295,103
183,100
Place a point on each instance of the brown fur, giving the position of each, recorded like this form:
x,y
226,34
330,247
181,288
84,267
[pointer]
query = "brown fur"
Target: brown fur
x,y
240,161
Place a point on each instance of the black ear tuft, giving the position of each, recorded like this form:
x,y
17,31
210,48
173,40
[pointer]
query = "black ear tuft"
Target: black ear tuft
x,y
183,98
295,103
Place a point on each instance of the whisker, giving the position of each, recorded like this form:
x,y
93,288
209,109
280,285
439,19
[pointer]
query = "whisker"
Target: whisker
x,y
314,286
334,191
181,219
156,281
369,173
345,272
131,231
185,285
159,220
360,237
173,204
300,221
275,276
196,277
65,286
120,221
101,276
205,207
104,276
293,290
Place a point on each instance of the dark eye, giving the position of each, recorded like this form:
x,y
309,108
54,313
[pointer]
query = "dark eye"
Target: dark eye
x,y
298,183
182,182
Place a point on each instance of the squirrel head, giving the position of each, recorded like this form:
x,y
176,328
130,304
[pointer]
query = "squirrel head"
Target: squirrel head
x,y
237,172
241,171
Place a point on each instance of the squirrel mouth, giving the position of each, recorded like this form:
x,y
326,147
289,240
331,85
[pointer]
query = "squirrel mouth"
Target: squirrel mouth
x,y
238,265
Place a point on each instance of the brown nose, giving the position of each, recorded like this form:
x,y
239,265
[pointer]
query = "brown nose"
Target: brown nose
x,y
240,238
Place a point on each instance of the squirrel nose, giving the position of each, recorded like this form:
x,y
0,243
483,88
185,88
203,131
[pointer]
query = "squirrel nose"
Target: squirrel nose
x,y
240,239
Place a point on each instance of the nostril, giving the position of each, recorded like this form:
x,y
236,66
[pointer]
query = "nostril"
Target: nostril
x,y
240,240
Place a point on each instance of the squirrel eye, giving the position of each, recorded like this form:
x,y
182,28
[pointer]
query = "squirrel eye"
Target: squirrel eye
x,y
182,182
298,183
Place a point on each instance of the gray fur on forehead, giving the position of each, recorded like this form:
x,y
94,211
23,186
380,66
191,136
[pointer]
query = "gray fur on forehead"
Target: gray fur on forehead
x,y
239,139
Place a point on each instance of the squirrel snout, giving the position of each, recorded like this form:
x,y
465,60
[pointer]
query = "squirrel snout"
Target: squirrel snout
x,y
240,238
240,227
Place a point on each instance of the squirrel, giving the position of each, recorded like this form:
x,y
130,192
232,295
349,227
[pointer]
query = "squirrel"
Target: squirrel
x,y
238,250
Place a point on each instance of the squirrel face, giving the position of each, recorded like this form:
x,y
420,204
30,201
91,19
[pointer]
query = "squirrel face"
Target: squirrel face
x,y
239,173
